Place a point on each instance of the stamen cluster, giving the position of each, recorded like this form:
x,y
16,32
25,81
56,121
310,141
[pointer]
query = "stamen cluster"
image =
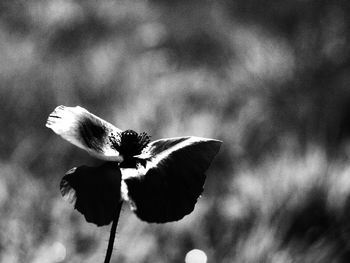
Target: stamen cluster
x,y
129,143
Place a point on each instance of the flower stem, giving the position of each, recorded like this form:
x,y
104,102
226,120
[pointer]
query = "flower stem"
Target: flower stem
x,y
112,234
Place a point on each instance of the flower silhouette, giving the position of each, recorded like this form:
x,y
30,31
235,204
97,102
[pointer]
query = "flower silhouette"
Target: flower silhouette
x,y
161,180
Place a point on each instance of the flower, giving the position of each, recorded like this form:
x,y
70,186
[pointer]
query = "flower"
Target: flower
x,y
161,180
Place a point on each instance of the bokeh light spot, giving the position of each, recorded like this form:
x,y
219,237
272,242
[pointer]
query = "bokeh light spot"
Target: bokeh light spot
x,y
196,256
59,251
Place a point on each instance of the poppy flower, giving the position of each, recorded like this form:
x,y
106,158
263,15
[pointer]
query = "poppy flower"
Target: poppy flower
x,y
161,180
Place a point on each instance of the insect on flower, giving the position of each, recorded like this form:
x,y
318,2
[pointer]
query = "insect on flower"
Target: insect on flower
x,y
161,180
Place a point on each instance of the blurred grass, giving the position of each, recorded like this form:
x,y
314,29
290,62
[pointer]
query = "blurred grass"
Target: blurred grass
x,y
270,81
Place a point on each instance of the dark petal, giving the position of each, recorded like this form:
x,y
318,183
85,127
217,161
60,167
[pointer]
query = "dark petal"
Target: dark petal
x,y
160,146
85,130
168,188
94,191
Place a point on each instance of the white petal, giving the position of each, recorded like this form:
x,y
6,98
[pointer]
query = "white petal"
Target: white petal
x,y
85,130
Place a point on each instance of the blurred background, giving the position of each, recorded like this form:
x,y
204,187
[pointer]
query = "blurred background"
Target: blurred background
x,y
269,78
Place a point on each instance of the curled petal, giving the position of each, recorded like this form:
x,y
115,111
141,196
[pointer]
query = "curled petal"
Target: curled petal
x,y
167,187
94,191
85,130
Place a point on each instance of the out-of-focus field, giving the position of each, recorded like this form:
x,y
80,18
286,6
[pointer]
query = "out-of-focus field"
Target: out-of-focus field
x,y
271,79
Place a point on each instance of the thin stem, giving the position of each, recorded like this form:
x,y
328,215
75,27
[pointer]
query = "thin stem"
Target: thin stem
x,y
112,234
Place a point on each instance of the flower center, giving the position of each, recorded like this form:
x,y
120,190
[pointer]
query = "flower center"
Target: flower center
x,y
129,143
